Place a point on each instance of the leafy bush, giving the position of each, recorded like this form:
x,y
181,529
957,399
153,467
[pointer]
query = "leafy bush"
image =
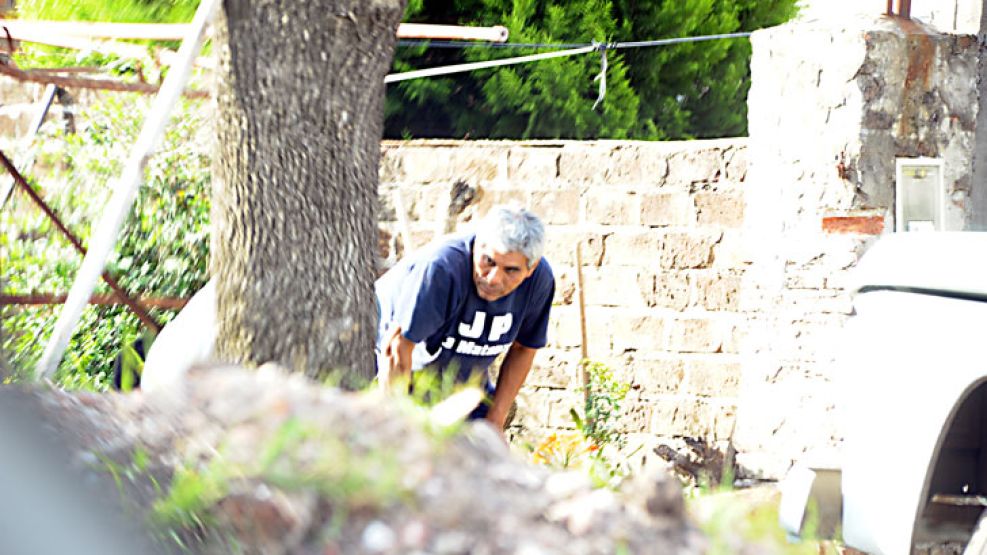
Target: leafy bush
x,y
665,92
163,247
595,445
117,11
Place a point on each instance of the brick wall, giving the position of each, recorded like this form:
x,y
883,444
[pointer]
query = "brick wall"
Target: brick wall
x,y
658,226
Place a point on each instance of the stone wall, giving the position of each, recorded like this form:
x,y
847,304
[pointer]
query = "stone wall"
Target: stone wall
x,y
830,109
658,229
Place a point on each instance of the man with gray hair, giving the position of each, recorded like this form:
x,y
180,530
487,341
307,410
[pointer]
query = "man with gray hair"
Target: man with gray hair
x,y
459,304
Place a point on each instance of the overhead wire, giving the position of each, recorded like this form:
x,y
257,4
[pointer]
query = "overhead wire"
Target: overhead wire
x,y
562,50
565,45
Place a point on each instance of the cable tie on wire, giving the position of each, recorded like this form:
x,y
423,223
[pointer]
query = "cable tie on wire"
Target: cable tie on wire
x,y
602,77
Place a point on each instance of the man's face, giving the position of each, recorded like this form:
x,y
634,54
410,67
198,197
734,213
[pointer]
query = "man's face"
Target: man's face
x,y
496,273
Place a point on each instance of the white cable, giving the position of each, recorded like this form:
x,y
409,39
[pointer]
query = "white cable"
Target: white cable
x,y
446,70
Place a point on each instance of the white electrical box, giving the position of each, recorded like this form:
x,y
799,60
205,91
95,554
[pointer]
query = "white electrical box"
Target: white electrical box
x,y
920,195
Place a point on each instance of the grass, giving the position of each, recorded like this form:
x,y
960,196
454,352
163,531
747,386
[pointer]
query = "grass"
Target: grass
x,y
732,518
118,11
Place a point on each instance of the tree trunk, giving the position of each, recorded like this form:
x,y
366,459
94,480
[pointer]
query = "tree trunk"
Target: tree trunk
x,y
300,96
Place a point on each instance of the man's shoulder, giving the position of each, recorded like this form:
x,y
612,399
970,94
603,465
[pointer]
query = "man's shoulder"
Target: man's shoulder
x,y
447,256
449,248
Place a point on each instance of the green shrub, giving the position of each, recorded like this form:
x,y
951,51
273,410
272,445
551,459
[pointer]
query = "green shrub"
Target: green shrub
x,y
162,250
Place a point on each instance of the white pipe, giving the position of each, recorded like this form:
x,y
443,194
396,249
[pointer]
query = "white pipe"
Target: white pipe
x,y
106,231
177,31
452,32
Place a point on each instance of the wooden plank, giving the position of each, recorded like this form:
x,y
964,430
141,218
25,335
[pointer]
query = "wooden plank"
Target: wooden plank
x,y
35,76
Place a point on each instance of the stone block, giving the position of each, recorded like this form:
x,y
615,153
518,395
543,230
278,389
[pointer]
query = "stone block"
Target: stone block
x,y
657,377
682,250
554,368
420,164
717,376
565,285
533,165
637,164
565,331
671,290
556,207
667,209
633,417
427,203
637,331
699,165
613,287
560,247
585,164
533,406
391,165
561,402
735,335
427,164
736,163
732,251
488,197
632,248
419,238
808,280
719,209
692,417
695,335
717,290
613,208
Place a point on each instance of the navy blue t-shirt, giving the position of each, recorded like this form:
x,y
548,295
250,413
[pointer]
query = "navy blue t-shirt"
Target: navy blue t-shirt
x,y
432,297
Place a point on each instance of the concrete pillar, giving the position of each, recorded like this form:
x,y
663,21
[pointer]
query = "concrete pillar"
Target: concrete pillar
x,y
830,108
978,220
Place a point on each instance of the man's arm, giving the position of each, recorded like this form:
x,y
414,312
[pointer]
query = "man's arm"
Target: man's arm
x,y
513,372
396,370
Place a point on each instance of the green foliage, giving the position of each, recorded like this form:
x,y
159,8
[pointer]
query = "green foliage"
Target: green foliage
x,y
678,91
162,250
604,394
116,11
732,519
595,447
120,11
297,457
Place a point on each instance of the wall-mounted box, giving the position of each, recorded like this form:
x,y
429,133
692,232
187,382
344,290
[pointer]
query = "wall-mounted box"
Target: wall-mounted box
x,y
920,194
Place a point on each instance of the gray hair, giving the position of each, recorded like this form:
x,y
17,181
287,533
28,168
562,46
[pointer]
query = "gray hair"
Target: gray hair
x,y
511,228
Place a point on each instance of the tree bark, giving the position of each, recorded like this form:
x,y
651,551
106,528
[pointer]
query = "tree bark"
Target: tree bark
x,y
300,89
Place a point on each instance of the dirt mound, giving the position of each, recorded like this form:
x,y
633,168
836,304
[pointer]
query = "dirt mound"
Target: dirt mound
x,y
260,462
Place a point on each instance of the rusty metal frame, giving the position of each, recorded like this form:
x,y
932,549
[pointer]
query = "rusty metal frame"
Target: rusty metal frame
x,y
122,295
904,8
167,303
48,77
